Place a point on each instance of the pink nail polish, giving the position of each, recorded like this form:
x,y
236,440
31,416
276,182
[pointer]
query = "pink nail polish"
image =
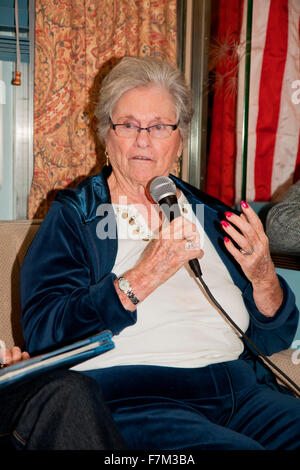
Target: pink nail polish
x,y
244,204
228,214
224,223
226,240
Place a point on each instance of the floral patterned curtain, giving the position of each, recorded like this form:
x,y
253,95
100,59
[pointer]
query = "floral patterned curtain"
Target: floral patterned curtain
x,y
76,43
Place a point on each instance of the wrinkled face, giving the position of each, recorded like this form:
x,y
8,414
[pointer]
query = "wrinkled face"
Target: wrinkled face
x,y
141,158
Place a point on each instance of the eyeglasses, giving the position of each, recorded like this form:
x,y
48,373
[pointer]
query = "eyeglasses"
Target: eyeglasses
x,y
129,130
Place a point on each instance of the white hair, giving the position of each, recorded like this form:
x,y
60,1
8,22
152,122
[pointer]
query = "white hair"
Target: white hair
x,y
133,72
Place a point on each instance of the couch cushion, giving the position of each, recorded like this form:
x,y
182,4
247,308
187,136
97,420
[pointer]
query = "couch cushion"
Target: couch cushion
x,y
289,362
15,238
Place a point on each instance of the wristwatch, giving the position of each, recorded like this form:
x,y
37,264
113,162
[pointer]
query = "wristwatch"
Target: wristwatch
x,y
124,286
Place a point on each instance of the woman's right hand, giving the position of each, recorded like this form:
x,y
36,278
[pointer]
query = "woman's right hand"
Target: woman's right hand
x,y
14,355
176,244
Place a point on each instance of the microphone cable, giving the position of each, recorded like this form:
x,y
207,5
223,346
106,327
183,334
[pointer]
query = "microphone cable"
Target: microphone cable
x,y
163,191
268,362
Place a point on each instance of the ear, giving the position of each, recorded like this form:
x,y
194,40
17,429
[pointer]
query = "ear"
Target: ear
x,y
180,149
107,142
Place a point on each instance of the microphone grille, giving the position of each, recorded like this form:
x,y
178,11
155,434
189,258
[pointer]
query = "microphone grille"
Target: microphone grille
x,y
161,187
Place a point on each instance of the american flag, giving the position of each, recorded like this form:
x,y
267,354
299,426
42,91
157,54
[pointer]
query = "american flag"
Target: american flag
x,y
273,151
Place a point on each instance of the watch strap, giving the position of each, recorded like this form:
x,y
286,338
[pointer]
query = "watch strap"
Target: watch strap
x,y
129,292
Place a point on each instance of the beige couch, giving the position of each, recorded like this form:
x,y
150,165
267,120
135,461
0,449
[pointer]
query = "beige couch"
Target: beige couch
x,y
15,238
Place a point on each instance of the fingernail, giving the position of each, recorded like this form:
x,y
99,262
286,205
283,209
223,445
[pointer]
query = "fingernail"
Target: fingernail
x,y
244,204
226,240
228,214
224,223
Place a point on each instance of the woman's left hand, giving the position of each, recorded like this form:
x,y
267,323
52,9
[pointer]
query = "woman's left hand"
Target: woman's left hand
x,y
252,244
251,251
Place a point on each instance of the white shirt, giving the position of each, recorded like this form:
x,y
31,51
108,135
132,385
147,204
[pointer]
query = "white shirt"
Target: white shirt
x,y
177,325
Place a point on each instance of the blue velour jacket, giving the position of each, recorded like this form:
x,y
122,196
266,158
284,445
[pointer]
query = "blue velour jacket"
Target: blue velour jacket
x,y
67,289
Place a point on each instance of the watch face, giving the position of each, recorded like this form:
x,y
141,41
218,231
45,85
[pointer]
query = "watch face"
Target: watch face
x,y
124,284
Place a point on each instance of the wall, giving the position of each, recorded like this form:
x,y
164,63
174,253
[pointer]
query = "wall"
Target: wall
x,y
6,144
292,277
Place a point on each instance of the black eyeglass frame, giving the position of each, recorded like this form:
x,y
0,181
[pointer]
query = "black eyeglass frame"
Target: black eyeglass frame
x,y
148,129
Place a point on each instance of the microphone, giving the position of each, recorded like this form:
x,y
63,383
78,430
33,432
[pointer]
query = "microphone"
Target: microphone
x,y
163,192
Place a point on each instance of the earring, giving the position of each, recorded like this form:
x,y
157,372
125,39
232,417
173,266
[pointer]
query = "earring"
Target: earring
x,y
177,167
106,158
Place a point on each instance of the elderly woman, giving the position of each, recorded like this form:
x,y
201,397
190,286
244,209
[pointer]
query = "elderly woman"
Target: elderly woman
x,y
180,377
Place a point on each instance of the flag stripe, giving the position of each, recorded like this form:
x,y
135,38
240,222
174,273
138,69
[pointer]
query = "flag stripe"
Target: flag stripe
x,y
269,96
221,162
297,164
259,35
287,136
